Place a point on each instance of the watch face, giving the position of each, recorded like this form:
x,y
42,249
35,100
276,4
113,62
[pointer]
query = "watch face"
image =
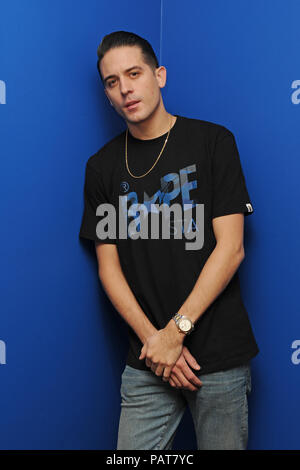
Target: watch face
x,y
185,324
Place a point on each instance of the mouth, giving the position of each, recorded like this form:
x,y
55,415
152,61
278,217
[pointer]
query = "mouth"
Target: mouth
x,y
131,104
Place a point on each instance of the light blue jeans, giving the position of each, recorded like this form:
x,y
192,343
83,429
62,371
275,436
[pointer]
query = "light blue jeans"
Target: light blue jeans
x,y
151,410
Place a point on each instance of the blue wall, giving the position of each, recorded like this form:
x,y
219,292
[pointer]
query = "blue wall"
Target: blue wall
x,y
62,344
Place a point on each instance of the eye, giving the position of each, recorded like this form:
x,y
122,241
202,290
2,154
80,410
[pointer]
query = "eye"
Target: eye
x,y
111,82
136,73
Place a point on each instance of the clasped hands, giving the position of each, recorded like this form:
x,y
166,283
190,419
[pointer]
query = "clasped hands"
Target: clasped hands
x,y
166,356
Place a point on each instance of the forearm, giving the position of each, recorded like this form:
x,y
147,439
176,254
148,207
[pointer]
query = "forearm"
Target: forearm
x,y
124,301
213,279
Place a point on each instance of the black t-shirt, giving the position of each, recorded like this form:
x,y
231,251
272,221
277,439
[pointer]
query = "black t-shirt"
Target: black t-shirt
x,y
199,166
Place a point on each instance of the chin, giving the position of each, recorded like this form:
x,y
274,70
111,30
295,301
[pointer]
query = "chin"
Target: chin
x,y
135,118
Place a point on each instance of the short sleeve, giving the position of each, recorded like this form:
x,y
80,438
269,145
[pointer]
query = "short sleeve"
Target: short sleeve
x,y
94,195
230,194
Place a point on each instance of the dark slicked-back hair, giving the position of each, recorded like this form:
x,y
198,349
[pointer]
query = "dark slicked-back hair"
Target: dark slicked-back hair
x,y
124,38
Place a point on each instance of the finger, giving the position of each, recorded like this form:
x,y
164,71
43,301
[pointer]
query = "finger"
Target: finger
x,y
143,353
184,382
184,368
159,370
153,367
167,373
191,377
148,362
176,381
172,383
190,359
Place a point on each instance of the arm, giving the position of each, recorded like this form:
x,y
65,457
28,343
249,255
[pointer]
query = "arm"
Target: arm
x,y
217,272
119,292
219,268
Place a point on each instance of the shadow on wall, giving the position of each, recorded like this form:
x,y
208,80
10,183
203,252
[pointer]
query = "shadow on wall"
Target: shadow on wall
x,y
113,324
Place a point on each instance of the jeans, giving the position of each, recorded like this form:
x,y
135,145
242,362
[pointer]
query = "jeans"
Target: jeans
x,y
151,410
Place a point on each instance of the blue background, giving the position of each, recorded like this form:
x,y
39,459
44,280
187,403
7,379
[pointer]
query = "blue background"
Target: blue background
x,y
231,62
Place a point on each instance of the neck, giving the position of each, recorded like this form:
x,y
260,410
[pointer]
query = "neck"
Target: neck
x,y
157,124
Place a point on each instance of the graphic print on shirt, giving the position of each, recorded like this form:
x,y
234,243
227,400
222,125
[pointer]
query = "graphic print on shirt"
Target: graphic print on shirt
x,y
171,186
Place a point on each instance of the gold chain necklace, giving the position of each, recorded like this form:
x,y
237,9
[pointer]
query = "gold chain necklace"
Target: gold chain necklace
x,y
126,158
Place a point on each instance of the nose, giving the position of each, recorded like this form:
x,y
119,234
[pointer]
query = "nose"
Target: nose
x,y
125,85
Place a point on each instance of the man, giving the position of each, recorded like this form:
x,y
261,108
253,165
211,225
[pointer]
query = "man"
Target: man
x,y
190,337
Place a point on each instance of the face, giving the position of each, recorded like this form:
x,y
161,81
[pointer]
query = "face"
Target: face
x,y
128,78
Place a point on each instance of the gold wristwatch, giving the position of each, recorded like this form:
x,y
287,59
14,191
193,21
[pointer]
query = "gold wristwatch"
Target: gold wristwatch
x,y
184,324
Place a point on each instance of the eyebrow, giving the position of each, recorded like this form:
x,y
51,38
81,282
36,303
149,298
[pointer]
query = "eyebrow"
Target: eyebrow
x,y
128,70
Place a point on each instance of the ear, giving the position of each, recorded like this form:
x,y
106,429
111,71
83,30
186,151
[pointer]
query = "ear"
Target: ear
x,y
161,76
